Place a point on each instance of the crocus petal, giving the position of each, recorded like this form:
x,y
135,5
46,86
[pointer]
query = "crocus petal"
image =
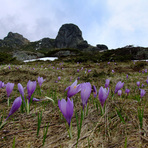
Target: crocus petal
x,y
21,89
69,110
35,99
15,106
85,92
94,91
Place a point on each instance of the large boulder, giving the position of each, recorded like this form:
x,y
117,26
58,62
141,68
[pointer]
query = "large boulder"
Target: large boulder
x,y
69,36
102,47
45,43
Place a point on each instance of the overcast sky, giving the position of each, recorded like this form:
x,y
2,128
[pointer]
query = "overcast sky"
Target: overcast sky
x,y
115,23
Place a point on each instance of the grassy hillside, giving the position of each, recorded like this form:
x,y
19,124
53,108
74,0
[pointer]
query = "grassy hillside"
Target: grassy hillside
x,y
123,123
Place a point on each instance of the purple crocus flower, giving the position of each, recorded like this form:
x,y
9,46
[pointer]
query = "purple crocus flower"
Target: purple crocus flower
x,y
113,71
127,76
142,92
138,83
85,92
78,70
40,80
119,92
31,86
127,91
66,109
73,89
94,91
119,85
21,89
2,84
59,78
107,83
103,94
9,88
89,70
15,106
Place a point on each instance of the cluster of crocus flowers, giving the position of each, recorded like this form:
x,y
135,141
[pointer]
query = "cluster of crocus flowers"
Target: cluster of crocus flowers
x,y
31,86
119,85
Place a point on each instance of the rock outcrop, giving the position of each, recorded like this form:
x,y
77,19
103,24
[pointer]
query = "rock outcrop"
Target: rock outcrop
x,y
102,47
69,36
46,43
26,55
13,40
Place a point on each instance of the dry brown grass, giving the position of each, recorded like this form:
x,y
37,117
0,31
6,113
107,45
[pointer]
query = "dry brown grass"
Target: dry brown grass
x,y
106,130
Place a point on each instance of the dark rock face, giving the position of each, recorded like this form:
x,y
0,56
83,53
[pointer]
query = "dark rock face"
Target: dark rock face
x,y
102,47
69,36
82,45
47,43
13,40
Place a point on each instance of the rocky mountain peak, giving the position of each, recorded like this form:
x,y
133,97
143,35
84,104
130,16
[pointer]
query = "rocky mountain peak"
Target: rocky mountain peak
x,y
14,40
69,36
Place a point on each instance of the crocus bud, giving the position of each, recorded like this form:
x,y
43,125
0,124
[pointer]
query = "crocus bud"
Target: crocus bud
x,y
103,94
59,78
2,84
9,88
142,92
119,92
21,89
119,85
31,86
40,81
66,109
138,83
85,92
127,91
107,83
15,106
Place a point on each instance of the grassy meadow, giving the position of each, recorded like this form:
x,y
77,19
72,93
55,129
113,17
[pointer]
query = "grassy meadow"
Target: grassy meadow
x,y
123,124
